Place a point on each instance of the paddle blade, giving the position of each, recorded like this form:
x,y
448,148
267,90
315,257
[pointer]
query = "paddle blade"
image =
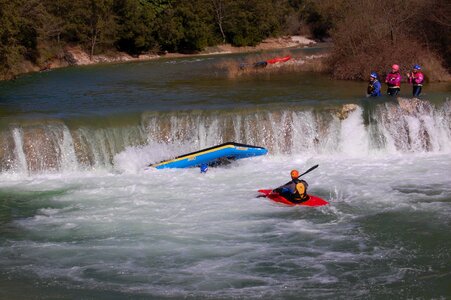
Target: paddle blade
x,y
309,170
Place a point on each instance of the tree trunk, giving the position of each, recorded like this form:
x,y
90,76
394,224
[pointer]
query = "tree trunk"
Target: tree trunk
x,y
93,42
219,10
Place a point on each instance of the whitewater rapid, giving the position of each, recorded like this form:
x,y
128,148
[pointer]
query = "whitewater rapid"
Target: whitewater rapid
x,y
81,215
176,233
392,128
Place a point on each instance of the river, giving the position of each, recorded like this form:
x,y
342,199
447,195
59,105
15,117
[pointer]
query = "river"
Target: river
x,y
81,215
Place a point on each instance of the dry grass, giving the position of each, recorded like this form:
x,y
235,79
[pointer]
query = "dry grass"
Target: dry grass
x,y
405,53
236,69
373,35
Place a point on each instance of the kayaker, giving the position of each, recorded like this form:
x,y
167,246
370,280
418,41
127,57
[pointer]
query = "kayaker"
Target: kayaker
x,y
374,86
393,81
416,78
203,168
260,64
295,190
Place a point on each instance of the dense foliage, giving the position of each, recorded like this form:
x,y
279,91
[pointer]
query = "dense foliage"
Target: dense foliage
x,y
37,31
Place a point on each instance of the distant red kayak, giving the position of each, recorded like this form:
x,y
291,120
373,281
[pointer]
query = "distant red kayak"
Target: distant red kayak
x,y
278,59
276,197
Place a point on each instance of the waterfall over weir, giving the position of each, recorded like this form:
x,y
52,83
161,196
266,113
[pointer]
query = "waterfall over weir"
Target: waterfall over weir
x,y
54,146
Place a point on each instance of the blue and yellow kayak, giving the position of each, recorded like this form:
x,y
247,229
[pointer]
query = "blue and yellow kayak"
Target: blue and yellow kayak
x,y
212,156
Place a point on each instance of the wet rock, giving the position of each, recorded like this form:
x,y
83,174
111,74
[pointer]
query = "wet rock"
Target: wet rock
x,y
7,156
79,57
344,112
414,105
409,123
41,148
84,154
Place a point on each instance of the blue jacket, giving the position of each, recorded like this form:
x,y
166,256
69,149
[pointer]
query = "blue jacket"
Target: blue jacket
x,y
374,88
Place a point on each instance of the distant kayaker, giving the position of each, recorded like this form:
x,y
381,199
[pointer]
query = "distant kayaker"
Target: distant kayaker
x,y
374,86
416,78
393,81
260,64
295,190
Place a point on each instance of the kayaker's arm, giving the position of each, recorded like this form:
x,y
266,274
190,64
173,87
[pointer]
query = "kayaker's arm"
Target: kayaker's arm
x,y
288,187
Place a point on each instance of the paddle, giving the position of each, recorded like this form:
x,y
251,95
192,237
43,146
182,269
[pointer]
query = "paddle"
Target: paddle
x,y
309,170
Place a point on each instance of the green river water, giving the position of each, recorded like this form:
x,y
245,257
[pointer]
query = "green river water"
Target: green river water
x,y
81,217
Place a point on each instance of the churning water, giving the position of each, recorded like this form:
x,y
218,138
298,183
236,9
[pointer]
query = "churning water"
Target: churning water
x,y
82,217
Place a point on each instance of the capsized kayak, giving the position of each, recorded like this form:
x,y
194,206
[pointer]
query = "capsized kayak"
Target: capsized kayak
x,y
212,156
278,59
276,197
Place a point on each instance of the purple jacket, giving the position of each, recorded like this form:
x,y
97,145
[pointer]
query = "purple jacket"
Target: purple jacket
x,y
416,78
393,80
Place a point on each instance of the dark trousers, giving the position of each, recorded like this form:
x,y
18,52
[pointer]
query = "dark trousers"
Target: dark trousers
x,y
416,90
393,91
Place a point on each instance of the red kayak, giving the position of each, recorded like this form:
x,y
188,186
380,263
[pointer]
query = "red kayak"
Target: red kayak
x,y
278,59
276,197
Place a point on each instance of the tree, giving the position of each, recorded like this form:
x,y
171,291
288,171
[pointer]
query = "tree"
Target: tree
x,y
90,23
366,33
101,24
219,9
136,22
11,50
434,27
186,26
250,21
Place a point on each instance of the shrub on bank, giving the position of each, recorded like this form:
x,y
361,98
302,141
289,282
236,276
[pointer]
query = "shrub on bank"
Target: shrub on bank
x,y
373,35
357,65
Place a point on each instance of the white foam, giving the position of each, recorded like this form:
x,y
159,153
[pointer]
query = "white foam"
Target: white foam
x,y
177,230
395,130
354,136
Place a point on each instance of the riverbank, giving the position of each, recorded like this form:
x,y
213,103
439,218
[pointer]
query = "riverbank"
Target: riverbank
x,y
76,56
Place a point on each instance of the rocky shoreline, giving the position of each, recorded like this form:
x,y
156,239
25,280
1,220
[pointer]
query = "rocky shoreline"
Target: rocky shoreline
x,y
76,56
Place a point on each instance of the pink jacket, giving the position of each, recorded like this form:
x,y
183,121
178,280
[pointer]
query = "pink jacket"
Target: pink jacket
x,y
393,80
416,78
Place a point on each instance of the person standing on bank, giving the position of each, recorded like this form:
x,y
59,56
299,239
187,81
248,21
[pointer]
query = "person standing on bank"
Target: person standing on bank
x,y
416,78
393,81
374,86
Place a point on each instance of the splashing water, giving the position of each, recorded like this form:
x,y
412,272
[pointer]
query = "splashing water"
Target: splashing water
x,y
82,217
390,129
